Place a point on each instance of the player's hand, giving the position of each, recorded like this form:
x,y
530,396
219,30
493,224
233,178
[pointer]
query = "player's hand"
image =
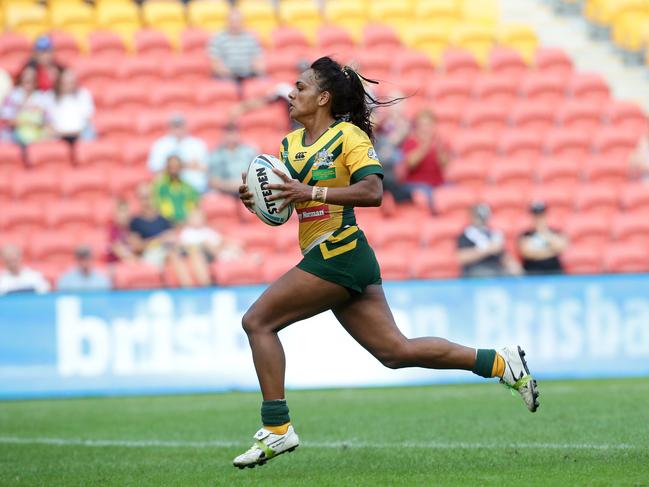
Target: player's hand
x,y
246,196
292,191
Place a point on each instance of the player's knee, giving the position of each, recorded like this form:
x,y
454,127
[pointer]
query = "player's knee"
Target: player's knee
x,y
251,323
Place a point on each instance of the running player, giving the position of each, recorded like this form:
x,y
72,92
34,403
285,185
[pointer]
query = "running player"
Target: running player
x,y
334,168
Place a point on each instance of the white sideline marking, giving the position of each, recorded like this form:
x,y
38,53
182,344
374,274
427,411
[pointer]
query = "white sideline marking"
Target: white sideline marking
x,y
13,440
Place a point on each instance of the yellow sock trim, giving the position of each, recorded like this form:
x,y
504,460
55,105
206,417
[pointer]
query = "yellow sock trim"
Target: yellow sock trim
x,y
281,429
499,366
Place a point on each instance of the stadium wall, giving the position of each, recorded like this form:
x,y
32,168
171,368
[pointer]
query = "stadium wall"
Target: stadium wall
x,y
168,341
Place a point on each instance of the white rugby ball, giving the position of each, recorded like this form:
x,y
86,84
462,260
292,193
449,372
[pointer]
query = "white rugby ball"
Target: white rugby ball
x,y
260,175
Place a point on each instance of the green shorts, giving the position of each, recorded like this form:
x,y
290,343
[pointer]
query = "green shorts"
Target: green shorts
x,y
345,258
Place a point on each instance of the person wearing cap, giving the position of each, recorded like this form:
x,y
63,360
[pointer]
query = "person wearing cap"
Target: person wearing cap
x,y
191,150
227,161
541,246
43,61
83,276
481,249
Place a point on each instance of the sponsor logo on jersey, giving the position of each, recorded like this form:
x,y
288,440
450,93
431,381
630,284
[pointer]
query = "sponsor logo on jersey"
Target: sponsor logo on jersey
x,y
320,212
371,153
300,156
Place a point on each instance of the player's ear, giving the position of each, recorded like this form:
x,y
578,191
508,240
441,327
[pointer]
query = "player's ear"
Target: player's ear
x,y
323,98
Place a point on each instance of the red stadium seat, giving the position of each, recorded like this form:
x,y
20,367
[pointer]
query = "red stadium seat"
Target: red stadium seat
x,y
26,217
567,143
70,216
448,117
105,44
289,39
237,272
558,197
14,47
490,118
216,93
506,201
11,158
454,201
512,173
626,258
103,212
380,38
334,39
450,90
176,97
599,198
254,238
496,89
194,41
631,228
280,68
395,236
414,64
124,182
603,169
553,61
469,173
615,143
582,259
470,144
580,115
395,266
141,69
586,228
589,88
65,46
522,144
54,247
435,265
152,123
95,73
507,63
116,126
42,186
626,115
543,88
151,42
635,197
257,88
460,63
374,64
278,265
207,124
219,208
440,234
52,154
265,118
533,116
558,171
136,275
128,97
97,153
187,68
86,184
5,190
136,152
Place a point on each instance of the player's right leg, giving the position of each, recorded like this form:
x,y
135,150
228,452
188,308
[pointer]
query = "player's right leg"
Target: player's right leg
x,y
295,296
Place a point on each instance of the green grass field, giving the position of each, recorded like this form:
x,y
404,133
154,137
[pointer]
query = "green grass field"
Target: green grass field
x,y
593,433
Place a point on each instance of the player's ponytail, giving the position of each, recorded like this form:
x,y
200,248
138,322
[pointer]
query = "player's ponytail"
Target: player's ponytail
x,y
349,99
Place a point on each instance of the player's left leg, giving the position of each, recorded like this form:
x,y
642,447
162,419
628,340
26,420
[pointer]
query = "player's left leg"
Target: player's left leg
x,y
368,319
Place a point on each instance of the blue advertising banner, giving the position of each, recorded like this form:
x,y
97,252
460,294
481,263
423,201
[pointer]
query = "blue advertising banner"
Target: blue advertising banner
x,y
142,342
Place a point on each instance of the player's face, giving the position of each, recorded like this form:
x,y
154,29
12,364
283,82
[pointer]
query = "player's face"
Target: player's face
x,y
306,97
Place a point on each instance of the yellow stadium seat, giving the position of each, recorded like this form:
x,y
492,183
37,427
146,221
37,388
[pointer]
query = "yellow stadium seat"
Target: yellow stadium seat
x,y
348,15
481,11
521,38
208,14
432,42
629,23
475,38
304,16
600,12
260,17
436,12
29,19
167,17
74,17
396,14
122,18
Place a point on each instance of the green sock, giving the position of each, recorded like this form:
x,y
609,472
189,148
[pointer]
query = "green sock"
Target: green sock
x,y
484,362
274,413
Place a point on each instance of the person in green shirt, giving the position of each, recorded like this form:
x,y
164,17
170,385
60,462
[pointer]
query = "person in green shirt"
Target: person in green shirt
x,y
174,198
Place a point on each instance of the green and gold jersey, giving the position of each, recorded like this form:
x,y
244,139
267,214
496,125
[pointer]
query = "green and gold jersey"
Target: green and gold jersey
x,y
341,156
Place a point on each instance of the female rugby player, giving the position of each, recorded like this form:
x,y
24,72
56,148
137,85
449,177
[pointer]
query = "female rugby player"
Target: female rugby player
x,y
334,168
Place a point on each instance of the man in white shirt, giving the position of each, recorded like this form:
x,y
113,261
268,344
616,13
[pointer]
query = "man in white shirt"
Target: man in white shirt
x,y
192,151
18,278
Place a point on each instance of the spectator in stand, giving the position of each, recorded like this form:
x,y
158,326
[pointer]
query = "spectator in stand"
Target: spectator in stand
x,y
119,245
84,276
541,246
44,62
227,161
191,150
422,168
24,113
203,245
72,109
234,52
173,197
639,159
152,237
16,278
481,249
6,84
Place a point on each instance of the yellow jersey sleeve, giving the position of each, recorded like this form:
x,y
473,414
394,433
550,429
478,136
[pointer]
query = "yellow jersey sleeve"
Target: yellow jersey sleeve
x,y
359,155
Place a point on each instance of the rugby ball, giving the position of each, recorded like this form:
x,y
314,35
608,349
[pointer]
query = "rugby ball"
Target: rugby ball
x,y
260,175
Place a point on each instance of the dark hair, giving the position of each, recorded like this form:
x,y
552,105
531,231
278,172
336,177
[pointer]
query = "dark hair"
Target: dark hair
x,y
349,99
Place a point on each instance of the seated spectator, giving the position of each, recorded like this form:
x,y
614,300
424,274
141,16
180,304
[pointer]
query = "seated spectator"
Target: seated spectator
x,y
541,245
639,159
25,110
202,245
71,110
16,278
191,150
227,161
119,245
234,52
173,197
424,157
84,276
152,237
44,62
6,83
481,249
